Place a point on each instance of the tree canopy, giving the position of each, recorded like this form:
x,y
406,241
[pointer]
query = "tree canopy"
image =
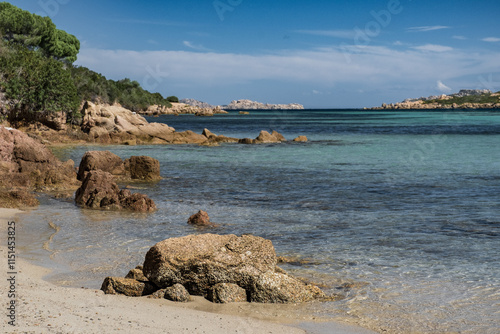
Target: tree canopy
x,y
36,32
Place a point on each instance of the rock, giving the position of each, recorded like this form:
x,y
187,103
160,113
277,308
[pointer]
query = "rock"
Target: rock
x,y
138,202
227,293
25,162
127,286
248,104
200,262
246,141
272,287
177,293
300,139
266,137
158,294
99,191
144,168
103,160
20,198
215,139
200,218
137,274
244,113
195,103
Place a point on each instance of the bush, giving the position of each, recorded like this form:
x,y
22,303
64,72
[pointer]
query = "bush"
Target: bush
x,y
173,99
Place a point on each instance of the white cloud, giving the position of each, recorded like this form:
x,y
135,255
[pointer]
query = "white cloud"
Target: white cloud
x,y
491,39
346,34
369,68
426,28
433,48
442,87
463,38
198,47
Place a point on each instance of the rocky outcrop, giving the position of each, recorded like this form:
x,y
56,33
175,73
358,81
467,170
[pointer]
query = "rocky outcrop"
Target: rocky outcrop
x,y
183,108
217,139
247,104
264,137
115,124
99,191
143,168
201,262
452,101
195,103
27,163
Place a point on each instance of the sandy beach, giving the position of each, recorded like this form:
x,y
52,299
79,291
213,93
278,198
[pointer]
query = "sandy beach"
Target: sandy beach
x,y
41,307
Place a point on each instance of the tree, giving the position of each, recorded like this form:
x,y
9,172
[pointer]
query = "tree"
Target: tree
x,y
35,32
38,86
173,99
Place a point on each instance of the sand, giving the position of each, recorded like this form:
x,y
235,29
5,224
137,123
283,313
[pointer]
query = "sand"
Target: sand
x,y
41,307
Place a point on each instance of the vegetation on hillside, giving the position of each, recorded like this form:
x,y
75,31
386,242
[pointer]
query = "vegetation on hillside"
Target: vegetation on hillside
x,y
38,78
483,98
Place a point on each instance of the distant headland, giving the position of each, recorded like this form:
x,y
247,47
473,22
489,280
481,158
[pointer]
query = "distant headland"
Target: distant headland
x,y
464,99
243,105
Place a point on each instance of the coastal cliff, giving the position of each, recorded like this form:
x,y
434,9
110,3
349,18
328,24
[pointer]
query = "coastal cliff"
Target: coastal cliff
x,y
464,99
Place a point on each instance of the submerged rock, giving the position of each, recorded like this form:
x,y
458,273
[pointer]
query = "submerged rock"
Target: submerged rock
x,y
200,262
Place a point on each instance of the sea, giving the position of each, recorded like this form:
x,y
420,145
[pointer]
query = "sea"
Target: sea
x,y
395,212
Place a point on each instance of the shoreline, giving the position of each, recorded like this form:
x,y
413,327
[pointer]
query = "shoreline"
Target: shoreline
x,y
43,307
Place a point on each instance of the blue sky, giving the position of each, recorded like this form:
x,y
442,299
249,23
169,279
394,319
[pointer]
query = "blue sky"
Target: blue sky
x,y
321,54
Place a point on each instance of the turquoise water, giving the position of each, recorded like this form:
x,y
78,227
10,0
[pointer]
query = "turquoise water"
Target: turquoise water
x,y
404,205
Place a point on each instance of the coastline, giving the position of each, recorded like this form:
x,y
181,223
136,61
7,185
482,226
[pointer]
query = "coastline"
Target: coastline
x,y
42,307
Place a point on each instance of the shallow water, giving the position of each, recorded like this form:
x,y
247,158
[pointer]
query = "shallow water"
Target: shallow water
x,y
403,205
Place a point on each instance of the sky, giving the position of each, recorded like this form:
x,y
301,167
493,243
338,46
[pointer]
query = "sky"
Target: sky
x,y
322,54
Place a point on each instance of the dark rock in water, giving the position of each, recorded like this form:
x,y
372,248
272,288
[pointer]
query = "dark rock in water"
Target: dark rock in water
x,y
144,168
99,191
138,202
103,160
127,286
199,262
200,219
177,293
227,293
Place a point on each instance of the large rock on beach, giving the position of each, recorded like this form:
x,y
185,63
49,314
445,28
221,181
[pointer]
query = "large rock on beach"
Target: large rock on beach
x,y
99,191
223,293
200,262
25,162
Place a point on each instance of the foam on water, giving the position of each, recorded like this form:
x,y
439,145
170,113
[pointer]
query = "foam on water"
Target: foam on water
x,y
397,212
